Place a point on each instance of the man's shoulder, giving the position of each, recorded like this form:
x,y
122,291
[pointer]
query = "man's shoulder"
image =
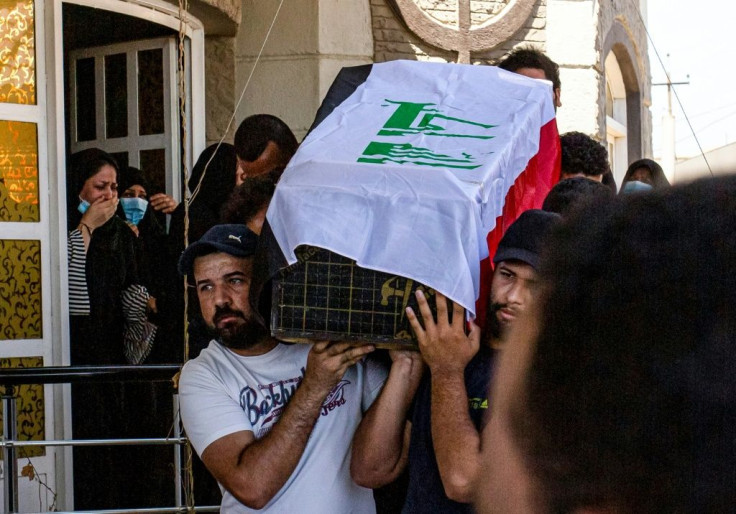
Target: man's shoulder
x,y
213,351
217,360
202,366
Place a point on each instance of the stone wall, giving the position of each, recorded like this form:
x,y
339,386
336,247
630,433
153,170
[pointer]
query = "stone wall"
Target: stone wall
x,y
577,34
310,42
313,39
219,67
581,33
620,21
219,17
392,40
572,43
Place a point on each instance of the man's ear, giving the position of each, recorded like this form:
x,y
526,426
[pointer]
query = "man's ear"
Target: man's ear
x,y
240,175
557,95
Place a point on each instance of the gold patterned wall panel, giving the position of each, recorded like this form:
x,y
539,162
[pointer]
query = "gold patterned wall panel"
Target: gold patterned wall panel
x,y
18,171
20,289
17,52
29,407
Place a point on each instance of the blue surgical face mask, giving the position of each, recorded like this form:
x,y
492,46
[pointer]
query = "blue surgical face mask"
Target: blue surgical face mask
x,y
635,186
134,209
83,205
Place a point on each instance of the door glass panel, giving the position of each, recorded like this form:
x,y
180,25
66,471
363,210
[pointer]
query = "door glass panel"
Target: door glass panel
x,y
86,108
18,172
122,159
151,92
20,289
17,52
116,95
30,408
153,164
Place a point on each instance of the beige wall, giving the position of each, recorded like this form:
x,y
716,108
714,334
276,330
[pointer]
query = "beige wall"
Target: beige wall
x,y
313,39
393,41
579,37
574,33
310,42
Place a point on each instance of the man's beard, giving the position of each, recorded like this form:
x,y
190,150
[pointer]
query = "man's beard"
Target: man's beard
x,y
238,336
494,329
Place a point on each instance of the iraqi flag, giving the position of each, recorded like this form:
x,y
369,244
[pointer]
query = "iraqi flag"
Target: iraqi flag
x,y
416,169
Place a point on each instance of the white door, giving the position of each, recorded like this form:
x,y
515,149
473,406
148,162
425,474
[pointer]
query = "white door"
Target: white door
x,y
124,100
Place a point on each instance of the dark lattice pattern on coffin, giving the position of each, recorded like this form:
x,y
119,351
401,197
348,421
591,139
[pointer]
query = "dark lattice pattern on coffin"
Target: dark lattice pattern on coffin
x,y
327,296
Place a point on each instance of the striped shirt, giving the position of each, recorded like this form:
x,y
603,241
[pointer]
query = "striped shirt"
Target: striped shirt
x,y
78,294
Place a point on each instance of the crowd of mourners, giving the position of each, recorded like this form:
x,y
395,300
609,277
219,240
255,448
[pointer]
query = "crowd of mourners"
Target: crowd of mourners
x,y
600,381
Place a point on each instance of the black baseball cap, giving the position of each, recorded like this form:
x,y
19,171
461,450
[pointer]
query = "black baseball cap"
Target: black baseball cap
x,y
236,240
523,239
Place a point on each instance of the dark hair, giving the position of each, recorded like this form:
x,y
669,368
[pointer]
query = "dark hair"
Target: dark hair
x,y
131,177
247,199
86,164
530,57
219,181
609,181
256,131
659,179
82,166
630,397
582,154
571,192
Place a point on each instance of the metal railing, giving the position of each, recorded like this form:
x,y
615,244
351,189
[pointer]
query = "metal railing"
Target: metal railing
x,y
10,378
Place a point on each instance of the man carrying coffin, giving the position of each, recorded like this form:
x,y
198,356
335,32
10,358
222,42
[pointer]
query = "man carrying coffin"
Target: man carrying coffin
x,y
272,422
439,434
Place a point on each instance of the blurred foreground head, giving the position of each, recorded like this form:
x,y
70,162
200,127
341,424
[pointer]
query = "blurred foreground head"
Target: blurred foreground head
x,y
617,392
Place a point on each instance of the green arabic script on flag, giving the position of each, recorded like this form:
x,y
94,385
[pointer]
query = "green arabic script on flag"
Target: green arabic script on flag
x,y
423,119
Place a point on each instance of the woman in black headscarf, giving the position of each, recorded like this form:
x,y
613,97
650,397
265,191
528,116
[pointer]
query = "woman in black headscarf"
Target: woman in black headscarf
x,y
208,193
107,296
646,171
138,203
108,325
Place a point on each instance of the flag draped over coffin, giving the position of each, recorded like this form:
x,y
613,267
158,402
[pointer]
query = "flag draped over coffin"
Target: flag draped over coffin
x,y
412,173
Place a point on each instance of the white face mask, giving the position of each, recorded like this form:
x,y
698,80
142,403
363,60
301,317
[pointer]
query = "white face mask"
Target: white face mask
x,y
134,208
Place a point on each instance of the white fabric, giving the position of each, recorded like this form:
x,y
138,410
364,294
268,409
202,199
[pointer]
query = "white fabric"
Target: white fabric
x,y
222,393
426,219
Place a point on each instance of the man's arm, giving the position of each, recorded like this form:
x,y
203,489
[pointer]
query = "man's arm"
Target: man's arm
x,y
381,442
447,350
255,470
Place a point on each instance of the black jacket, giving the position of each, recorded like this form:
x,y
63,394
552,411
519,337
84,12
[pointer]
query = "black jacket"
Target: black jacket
x,y
112,265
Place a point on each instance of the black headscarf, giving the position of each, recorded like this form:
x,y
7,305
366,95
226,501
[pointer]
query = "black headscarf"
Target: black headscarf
x,y
659,179
82,166
204,208
131,177
219,181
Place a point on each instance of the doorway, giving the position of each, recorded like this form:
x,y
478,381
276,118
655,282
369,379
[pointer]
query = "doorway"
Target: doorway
x,y
121,95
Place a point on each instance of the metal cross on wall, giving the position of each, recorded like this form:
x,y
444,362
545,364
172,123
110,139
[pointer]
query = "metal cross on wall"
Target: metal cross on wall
x,y
464,38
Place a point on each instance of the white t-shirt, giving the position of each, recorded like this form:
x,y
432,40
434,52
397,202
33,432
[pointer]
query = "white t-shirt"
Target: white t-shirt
x,y
222,392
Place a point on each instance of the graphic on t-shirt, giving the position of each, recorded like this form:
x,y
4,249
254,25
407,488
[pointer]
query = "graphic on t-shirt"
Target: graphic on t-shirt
x,y
335,398
478,403
275,396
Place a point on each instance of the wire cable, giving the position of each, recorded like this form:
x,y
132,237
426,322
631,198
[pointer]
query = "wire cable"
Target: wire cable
x,y
237,105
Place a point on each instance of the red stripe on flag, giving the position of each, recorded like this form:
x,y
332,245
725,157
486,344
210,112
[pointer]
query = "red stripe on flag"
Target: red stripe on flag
x,y
528,192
